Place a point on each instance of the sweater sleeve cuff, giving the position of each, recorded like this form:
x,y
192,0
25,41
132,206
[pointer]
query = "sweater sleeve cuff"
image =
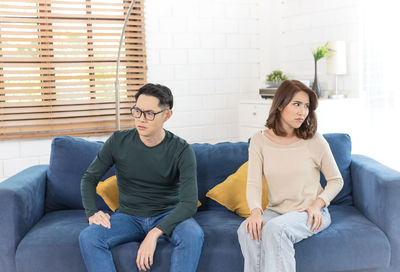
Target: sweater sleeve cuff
x,y
167,231
255,207
89,213
325,199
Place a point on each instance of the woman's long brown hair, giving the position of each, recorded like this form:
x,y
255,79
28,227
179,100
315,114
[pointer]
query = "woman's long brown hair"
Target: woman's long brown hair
x,y
282,98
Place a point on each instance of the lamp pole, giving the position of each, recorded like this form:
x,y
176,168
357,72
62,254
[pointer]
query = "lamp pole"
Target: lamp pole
x,y
117,86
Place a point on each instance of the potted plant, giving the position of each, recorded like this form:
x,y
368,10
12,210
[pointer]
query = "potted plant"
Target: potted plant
x,y
318,53
275,78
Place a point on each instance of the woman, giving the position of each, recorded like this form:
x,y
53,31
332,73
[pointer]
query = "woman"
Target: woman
x,y
290,154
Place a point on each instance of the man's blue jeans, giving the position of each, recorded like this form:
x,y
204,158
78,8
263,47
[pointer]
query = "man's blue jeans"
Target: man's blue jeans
x,y
96,241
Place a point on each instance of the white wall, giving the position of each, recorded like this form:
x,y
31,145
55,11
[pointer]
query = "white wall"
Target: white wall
x,y
207,52
16,155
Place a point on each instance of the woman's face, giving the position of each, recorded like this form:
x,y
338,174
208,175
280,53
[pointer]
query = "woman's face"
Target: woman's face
x,y
294,114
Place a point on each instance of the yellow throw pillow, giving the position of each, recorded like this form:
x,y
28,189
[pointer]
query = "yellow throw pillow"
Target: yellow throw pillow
x,y
108,190
231,193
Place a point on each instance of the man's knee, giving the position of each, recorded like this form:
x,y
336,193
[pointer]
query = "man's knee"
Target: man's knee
x,y
193,229
189,231
198,233
89,236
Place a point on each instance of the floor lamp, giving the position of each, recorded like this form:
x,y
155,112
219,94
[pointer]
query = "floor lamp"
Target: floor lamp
x,y
117,99
336,63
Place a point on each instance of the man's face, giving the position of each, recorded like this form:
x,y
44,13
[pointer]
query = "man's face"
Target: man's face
x,y
146,127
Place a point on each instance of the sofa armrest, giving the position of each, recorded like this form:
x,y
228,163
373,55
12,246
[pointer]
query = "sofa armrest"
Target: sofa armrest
x,y
22,205
376,193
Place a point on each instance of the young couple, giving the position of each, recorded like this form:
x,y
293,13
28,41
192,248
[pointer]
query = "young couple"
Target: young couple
x,y
157,184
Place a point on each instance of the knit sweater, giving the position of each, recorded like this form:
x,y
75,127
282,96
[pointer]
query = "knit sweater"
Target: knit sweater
x,y
292,173
151,180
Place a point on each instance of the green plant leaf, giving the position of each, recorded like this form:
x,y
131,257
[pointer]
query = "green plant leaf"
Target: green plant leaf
x,y
276,75
321,52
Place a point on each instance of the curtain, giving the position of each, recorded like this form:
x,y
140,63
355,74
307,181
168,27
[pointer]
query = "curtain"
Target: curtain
x,y
380,71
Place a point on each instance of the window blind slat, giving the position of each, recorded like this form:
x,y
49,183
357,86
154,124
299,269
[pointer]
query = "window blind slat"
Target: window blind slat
x,y
126,4
72,130
63,20
62,108
17,105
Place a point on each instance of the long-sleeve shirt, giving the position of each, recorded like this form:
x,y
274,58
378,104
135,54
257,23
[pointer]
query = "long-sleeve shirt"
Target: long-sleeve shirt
x,y
151,180
292,173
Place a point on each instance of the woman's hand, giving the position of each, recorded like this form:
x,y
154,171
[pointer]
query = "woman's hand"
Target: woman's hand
x,y
254,224
314,212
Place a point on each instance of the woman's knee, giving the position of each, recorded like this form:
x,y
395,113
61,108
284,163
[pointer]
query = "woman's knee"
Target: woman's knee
x,y
273,228
241,231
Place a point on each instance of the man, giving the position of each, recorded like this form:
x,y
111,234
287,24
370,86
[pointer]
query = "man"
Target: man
x,y
156,176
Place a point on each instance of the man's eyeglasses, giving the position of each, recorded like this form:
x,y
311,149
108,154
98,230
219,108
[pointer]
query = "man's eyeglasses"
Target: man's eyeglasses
x,y
148,115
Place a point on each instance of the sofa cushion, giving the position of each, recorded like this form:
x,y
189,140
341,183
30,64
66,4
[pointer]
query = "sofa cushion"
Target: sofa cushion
x,y
352,242
340,145
214,164
52,244
220,253
69,159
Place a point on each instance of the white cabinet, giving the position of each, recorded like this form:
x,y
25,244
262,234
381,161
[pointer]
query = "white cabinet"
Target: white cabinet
x,y
334,115
253,114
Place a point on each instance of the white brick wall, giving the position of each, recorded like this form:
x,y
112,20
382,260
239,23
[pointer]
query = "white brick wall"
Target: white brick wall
x,y
1,170
9,150
211,64
291,29
17,155
13,166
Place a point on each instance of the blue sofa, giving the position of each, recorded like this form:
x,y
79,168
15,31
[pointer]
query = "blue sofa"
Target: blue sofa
x,y
42,215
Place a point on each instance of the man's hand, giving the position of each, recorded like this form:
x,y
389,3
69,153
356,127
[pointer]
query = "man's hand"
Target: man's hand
x,y
144,259
254,224
100,218
314,212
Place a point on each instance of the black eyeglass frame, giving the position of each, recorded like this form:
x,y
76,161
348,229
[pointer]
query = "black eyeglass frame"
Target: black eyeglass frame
x,y
145,113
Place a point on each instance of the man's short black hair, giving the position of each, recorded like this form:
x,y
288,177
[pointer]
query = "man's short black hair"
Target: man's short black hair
x,y
161,92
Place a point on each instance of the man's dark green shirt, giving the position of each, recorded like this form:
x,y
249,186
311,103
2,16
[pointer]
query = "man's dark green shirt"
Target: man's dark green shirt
x,y
151,180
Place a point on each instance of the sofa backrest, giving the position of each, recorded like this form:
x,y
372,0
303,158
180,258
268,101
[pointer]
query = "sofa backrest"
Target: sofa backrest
x,y
340,145
69,159
214,164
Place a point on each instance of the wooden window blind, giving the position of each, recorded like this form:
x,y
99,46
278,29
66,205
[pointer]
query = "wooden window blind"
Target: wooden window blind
x,y
58,62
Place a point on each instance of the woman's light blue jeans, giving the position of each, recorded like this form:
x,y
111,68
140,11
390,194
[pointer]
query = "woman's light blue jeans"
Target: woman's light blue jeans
x,y
96,241
275,251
